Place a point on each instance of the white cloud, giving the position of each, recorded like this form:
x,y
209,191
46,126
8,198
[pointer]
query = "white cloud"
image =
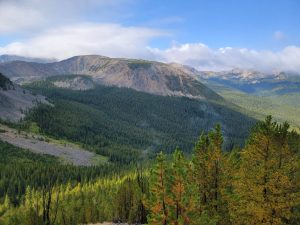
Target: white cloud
x,y
115,40
202,57
54,28
105,39
15,17
18,16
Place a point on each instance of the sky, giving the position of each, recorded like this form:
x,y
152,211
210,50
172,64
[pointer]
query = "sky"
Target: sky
x,y
208,35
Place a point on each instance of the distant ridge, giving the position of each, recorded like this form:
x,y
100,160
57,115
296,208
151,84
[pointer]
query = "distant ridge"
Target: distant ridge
x,y
141,75
9,58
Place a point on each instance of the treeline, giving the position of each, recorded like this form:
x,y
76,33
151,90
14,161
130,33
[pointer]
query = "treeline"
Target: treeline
x,y
259,184
111,199
20,169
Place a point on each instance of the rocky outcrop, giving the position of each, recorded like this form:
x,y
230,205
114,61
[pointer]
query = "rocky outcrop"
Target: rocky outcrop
x,y
15,101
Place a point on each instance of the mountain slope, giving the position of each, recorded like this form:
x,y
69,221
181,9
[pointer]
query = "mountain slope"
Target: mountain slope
x,y
147,76
261,94
285,107
121,122
14,100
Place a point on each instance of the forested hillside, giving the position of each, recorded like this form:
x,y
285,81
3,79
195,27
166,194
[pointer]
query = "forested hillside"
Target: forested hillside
x,y
124,124
258,184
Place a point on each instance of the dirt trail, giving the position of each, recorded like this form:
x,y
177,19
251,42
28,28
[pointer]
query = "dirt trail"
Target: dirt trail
x,y
69,153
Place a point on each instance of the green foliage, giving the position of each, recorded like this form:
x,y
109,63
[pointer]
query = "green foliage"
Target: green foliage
x,y
285,107
20,168
158,199
127,125
269,175
260,185
13,154
256,185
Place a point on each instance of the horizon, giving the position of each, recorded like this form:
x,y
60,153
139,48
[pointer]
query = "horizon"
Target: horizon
x,y
251,35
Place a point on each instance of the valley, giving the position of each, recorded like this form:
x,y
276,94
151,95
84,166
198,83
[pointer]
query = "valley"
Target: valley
x,y
284,107
128,112
109,139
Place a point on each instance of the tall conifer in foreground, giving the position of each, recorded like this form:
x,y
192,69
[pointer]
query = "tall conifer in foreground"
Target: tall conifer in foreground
x,y
181,204
268,179
208,177
158,200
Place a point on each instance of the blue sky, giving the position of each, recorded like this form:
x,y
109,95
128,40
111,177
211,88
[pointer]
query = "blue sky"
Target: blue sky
x,y
215,34
219,23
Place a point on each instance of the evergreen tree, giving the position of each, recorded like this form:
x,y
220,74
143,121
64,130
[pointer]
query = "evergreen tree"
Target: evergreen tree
x,y
208,175
158,199
181,204
268,184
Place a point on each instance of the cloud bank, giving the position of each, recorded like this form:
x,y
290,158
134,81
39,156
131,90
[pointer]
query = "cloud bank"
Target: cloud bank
x,y
112,40
202,57
27,16
115,40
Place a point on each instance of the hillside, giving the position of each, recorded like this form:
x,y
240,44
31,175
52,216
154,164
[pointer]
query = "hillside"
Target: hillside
x,y
67,153
15,101
121,122
258,94
146,76
285,107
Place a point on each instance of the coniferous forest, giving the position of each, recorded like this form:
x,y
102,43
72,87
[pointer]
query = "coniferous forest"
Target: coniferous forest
x,y
258,184
149,112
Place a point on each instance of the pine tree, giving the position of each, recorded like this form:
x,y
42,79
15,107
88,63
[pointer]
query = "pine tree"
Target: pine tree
x,y
200,159
181,204
208,174
6,205
158,200
268,184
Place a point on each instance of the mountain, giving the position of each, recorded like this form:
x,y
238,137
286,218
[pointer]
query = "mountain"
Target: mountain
x,y
126,107
10,58
121,123
146,76
260,94
252,82
15,101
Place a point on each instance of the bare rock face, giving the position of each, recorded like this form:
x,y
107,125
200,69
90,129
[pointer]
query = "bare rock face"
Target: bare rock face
x,y
146,76
14,101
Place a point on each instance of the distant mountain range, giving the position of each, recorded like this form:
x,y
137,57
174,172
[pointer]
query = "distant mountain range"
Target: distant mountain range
x,y
10,58
248,81
146,76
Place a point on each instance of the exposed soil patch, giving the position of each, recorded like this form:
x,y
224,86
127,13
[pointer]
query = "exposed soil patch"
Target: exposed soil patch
x,y
67,152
